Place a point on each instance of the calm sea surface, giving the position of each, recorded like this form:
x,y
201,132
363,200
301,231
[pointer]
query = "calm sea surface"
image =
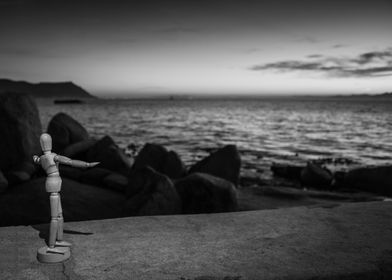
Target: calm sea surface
x,y
265,131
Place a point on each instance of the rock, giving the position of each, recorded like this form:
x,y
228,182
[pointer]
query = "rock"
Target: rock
x,y
27,166
3,183
292,172
94,176
78,150
174,167
152,155
224,163
21,173
21,128
204,193
313,175
151,193
251,178
161,160
70,172
115,181
375,179
109,155
65,131
28,203
17,177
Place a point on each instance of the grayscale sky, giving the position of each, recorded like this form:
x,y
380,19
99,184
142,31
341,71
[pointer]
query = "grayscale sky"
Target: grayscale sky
x,y
211,47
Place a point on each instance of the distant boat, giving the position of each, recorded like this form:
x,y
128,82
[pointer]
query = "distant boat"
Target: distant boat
x,y
68,101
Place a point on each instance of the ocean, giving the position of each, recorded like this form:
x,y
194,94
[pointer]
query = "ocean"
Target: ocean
x,y
340,131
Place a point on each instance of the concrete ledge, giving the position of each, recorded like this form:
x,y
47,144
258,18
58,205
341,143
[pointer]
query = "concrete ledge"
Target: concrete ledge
x,y
348,241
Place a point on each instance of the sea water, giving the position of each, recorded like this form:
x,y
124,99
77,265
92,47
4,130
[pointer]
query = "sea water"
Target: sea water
x,y
282,130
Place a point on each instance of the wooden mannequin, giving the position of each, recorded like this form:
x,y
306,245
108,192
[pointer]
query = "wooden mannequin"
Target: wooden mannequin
x,y
57,249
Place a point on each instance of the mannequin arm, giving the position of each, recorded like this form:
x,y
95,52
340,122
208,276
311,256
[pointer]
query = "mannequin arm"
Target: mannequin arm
x,y
73,162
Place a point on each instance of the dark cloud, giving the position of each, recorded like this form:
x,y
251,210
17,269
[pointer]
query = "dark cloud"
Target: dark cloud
x,y
314,56
372,56
369,64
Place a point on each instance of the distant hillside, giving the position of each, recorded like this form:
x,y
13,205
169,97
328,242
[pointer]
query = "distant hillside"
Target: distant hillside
x,y
52,90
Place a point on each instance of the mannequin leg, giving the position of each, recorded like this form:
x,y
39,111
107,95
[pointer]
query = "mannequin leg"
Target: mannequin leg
x,y
60,231
61,222
54,206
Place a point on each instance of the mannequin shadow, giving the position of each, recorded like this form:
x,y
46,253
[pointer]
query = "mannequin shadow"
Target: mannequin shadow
x,y
43,230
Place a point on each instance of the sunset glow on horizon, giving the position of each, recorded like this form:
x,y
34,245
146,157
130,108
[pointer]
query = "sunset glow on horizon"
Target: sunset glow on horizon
x,y
127,48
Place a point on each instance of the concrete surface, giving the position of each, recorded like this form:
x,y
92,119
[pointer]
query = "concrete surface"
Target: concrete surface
x,y
348,241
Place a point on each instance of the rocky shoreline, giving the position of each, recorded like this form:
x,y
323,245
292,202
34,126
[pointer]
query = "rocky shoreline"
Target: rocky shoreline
x,y
155,181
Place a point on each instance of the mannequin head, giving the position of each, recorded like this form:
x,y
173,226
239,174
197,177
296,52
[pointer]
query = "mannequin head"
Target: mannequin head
x,y
46,142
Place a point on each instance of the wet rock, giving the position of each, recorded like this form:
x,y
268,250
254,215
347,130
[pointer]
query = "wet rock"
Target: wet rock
x,y
292,172
94,176
65,131
313,175
115,181
375,179
3,183
151,193
161,160
28,203
78,150
20,128
109,155
251,178
224,163
204,193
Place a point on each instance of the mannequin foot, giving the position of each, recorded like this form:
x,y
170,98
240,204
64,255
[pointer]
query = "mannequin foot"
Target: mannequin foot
x,y
57,250
63,244
53,255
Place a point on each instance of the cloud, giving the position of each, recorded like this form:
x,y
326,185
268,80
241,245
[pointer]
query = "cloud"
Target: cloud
x,y
314,56
373,56
369,64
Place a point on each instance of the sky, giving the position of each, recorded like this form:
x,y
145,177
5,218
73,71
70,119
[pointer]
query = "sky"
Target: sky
x,y
138,48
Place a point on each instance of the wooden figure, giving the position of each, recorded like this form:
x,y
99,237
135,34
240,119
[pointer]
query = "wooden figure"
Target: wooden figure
x,y
57,249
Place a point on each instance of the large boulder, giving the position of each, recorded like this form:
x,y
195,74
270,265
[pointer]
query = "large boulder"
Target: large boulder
x,y
21,172
70,172
116,181
109,155
224,163
28,203
314,175
204,193
65,131
161,160
78,150
375,179
94,176
20,128
151,193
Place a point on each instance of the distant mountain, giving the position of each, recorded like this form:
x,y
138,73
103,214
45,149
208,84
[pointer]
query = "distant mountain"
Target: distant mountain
x,y
52,90
367,95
